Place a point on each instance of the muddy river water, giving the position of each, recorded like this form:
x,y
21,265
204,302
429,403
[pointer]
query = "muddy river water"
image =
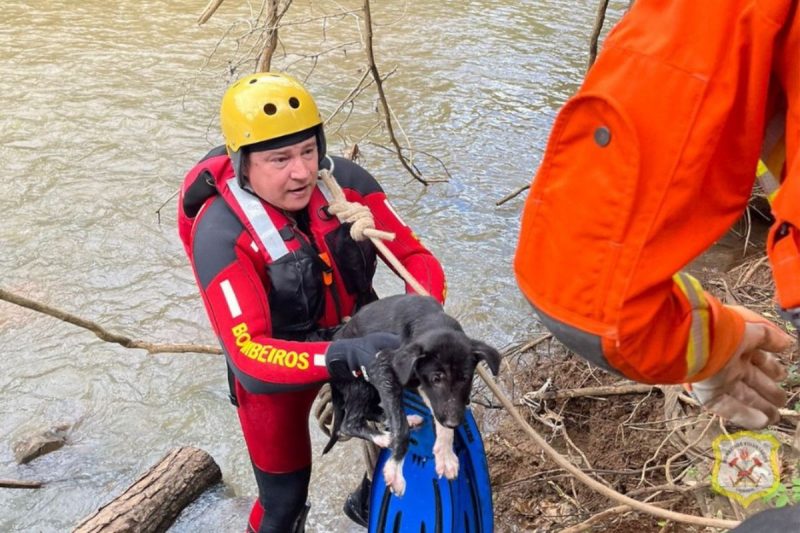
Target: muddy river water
x,y
107,104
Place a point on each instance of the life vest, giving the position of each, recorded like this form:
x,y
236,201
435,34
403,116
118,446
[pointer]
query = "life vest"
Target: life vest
x,y
304,269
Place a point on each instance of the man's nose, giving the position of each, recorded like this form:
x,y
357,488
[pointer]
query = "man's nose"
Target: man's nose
x,y
299,169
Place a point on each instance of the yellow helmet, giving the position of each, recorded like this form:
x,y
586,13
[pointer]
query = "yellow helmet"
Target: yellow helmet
x,y
266,106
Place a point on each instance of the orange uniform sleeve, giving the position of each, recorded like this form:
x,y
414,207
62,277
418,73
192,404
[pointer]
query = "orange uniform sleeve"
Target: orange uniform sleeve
x,y
646,167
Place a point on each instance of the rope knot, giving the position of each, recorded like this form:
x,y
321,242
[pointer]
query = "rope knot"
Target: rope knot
x,y
358,215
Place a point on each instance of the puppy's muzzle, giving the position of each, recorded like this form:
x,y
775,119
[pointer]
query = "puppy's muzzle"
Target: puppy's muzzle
x,y
452,421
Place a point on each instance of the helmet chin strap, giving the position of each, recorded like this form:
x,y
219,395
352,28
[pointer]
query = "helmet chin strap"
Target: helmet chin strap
x,y
237,162
330,162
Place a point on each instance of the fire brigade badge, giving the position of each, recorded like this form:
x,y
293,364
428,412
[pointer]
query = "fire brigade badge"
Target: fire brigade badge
x,y
745,466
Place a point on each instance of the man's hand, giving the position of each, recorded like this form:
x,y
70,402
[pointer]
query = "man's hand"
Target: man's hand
x,y
745,391
350,358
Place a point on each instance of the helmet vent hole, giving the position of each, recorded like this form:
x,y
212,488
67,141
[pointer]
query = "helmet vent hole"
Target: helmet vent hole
x,y
294,102
270,109
254,80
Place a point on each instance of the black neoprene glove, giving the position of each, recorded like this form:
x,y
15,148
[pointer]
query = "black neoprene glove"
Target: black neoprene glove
x,y
350,358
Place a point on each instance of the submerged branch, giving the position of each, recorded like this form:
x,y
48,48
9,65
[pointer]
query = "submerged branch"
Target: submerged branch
x,y
102,333
210,9
17,484
512,194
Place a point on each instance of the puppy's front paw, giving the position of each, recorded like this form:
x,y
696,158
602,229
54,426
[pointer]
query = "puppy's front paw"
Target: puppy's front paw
x,y
446,462
383,440
414,420
393,476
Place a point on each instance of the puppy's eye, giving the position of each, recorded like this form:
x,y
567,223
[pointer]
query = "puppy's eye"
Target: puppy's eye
x,y
437,378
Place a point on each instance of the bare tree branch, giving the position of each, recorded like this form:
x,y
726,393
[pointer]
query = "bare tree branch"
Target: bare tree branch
x,y
271,31
379,84
210,9
101,332
410,162
355,92
598,27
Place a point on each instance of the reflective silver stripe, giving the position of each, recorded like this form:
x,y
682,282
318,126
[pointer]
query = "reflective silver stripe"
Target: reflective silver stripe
x,y
587,345
774,134
326,192
767,180
390,208
259,219
230,299
698,345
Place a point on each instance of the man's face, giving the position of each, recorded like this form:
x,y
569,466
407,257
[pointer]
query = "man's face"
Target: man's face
x,y
284,177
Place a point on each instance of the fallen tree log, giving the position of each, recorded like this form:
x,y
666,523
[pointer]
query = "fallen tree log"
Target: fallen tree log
x,y
156,499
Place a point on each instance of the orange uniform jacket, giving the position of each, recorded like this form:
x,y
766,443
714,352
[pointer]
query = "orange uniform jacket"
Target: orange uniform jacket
x,y
647,166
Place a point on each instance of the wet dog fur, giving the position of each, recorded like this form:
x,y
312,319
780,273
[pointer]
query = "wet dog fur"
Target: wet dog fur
x,y
436,358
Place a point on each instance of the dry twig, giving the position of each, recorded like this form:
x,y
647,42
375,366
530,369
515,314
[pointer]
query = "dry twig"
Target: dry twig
x,y
599,517
609,390
667,470
512,194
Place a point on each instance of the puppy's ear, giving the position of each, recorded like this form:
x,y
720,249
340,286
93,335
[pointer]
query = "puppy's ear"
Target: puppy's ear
x,y
481,350
404,360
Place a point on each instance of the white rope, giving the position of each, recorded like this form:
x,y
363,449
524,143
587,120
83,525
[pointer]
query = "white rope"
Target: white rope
x,y
353,213
375,236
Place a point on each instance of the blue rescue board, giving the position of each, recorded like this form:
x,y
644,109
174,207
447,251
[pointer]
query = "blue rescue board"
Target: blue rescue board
x,y
431,504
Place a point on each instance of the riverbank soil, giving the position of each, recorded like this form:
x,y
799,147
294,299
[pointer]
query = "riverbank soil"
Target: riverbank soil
x,y
651,444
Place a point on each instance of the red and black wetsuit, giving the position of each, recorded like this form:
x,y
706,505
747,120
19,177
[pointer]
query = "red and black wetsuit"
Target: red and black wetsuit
x,y
275,286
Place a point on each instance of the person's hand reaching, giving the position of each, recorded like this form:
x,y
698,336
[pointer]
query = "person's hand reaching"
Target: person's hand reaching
x,y
746,391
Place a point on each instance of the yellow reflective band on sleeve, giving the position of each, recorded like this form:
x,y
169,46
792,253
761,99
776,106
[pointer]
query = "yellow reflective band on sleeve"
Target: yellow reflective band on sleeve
x,y
773,156
698,344
767,180
771,196
761,168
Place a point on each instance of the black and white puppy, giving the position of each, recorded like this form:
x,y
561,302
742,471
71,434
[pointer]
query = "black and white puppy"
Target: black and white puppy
x,y
436,358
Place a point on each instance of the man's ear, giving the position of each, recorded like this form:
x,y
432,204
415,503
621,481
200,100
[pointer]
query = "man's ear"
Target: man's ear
x,y
481,350
404,361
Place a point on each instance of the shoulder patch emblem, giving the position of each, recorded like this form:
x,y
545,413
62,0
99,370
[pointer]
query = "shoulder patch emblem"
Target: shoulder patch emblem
x,y
745,466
